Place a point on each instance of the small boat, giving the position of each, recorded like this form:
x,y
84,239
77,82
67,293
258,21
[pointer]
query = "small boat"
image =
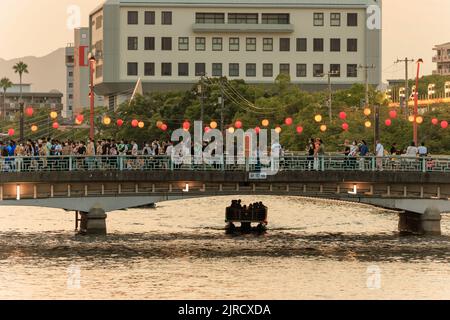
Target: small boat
x,y
255,213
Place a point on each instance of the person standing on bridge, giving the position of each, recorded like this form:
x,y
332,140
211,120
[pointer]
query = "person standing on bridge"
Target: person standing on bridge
x,y
379,153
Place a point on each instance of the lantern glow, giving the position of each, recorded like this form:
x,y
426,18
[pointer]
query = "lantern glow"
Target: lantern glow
x,y
318,118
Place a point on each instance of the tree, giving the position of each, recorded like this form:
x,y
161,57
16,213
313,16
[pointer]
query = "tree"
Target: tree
x,y
21,68
5,84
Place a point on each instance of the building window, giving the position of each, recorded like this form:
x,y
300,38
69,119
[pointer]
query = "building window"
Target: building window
x,y
70,96
149,69
318,45
132,69
166,43
98,22
200,44
301,70
200,69
132,43
183,44
335,70
267,44
234,70
212,18
335,45
166,69
352,45
275,18
352,19
243,18
251,44
149,43
70,74
183,69
99,71
216,69
318,70
352,71
250,70
217,44
133,17
149,17
302,45
234,44
166,17
285,68
335,19
267,70
70,85
318,19
285,44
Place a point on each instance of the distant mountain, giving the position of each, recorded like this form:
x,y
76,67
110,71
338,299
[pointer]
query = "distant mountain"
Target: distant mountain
x,y
45,73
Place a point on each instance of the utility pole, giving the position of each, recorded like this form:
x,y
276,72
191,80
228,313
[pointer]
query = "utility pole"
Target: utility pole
x,y
376,113
330,93
406,61
222,107
202,100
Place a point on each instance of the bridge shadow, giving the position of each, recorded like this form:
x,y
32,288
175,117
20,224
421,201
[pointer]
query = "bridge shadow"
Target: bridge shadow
x,y
386,247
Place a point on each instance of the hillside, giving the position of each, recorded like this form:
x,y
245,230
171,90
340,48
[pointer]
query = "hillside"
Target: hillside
x,y
46,73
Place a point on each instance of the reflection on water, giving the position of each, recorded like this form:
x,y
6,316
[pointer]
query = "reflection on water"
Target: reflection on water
x,y
313,250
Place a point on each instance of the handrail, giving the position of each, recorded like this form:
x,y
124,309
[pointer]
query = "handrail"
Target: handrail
x,y
325,163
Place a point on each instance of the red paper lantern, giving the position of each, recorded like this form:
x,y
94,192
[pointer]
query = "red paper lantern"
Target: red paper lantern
x,y
345,126
29,111
55,125
134,123
388,122
164,127
444,124
299,130
393,114
207,129
288,121
257,130
238,124
434,121
11,132
342,115
186,125
119,122
80,118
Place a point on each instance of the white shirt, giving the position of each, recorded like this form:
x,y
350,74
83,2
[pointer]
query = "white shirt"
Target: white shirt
x,y
380,150
411,151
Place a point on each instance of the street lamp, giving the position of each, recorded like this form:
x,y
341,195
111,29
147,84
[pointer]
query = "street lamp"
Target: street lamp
x,y
416,102
447,89
92,62
431,90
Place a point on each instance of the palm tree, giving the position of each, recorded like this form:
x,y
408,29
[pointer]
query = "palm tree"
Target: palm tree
x,y
5,84
21,68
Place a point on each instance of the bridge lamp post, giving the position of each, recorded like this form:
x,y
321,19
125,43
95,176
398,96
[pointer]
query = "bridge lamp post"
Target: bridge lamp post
x,y
92,62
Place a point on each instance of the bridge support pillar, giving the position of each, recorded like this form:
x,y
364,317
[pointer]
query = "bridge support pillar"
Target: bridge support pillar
x,y
93,222
428,223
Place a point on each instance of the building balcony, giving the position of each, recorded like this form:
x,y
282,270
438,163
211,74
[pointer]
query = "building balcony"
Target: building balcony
x,y
243,28
444,58
442,72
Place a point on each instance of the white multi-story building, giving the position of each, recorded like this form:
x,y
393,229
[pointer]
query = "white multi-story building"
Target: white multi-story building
x,y
78,73
442,59
170,44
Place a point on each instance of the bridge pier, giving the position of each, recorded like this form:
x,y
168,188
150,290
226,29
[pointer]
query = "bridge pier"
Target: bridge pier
x,y
93,222
428,223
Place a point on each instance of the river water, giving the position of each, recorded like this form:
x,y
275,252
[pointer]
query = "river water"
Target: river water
x,y
313,249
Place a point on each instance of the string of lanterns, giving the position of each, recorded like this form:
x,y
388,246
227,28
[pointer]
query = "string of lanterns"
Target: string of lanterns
x,y
135,123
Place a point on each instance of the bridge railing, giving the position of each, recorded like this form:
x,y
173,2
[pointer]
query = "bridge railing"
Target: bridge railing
x,y
165,163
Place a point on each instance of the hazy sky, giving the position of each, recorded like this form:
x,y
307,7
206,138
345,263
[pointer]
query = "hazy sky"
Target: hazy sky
x,y
410,28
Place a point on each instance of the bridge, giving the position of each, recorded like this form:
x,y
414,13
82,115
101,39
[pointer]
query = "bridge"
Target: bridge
x,y
92,186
